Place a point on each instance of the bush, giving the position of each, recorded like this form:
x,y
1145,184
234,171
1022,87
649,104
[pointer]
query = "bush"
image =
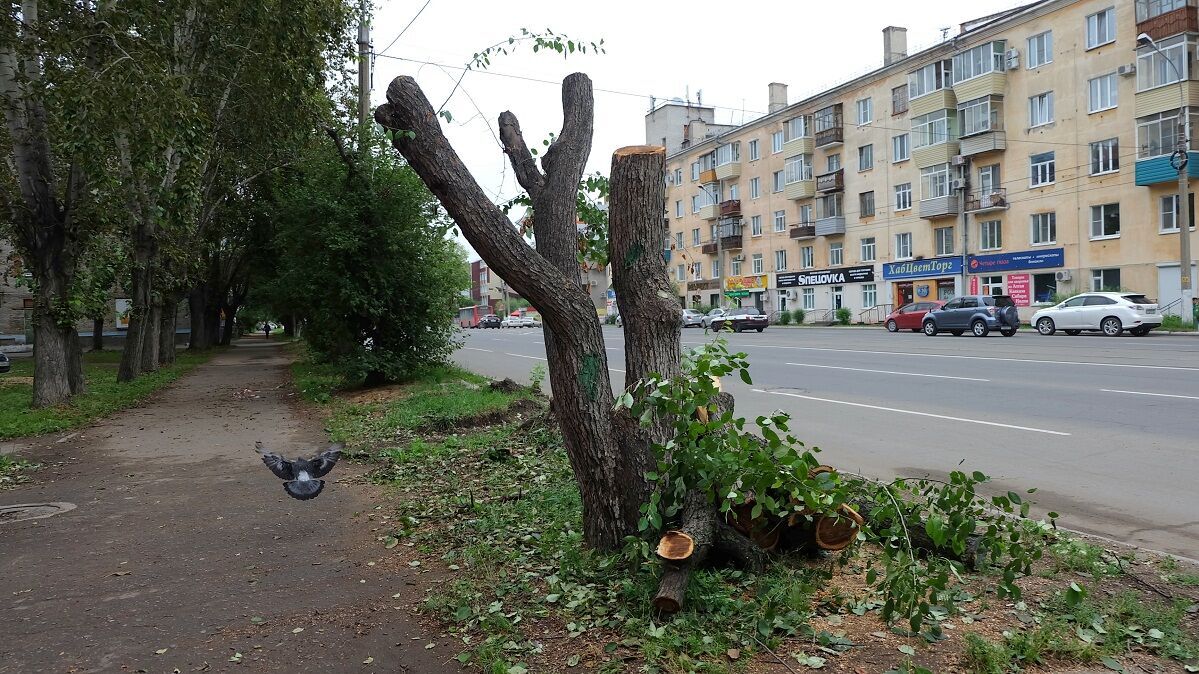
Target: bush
x,y
784,318
798,316
843,316
1173,323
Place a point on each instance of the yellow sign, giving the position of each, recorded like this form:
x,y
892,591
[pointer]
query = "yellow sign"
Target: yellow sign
x,y
746,282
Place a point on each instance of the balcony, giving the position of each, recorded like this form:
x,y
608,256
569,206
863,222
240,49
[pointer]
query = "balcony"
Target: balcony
x,y
800,189
939,207
988,84
803,232
709,211
1157,170
708,176
828,123
992,140
729,170
800,145
1164,98
1182,20
982,201
931,155
730,208
831,137
831,182
830,226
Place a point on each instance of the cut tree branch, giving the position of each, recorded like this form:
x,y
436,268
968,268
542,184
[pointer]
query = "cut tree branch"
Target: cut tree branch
x,y
523,163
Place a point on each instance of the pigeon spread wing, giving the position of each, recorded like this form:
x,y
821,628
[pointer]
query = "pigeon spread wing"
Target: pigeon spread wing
x,y
303,489
324,462
280,466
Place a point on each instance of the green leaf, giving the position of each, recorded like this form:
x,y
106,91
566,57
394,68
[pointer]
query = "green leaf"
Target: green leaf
x,y
907,650
1111,664
573,661
1075,594
463,657
745,377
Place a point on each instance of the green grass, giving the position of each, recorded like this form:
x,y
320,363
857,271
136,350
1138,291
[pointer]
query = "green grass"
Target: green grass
x,y
14,471
1172,323
104,395
1075,555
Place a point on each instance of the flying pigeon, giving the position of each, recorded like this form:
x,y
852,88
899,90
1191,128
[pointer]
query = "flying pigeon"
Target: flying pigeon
x,y
300,477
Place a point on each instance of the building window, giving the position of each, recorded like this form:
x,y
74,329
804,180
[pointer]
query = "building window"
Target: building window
x,y
735,191
776,142
1105,156
697,271
694,171
988,179
1040,49
735,266
903,246
1044,287
678,240
780,221
899,100
755,188
869,295
934,182
798,168
1147,9
678,176
780,260
754,152
992,285
980,115
809,299
797,127
807,257
836,254
865,157
903,197
782,299
899,148
979,61
1105,280
756,264
1157,135
990,235
866,205
1104,93
1155,70
1101,28
715,268
729,153
1040,109
930,78
1044,228
867,249
943,237
865,111
695,237
755,225
1044,169
933,128
828,206
779,181
1169,212
680,273
833,163
1105,221
678,209
805,214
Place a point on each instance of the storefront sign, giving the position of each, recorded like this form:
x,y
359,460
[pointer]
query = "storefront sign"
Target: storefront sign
x,y
973,285
755,283
1028,259
1018,289
737,293
710,284
941,266
825,277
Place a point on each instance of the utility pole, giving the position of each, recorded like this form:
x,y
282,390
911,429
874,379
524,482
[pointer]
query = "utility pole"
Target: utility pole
x,y
364,68
964,176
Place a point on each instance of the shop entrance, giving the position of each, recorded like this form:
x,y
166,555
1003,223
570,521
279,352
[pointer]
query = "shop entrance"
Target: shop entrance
x,y
837,294
903,294
945,288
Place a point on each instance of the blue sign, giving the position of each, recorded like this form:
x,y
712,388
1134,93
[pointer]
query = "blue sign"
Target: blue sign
x,y
1028,259
922,291
941,266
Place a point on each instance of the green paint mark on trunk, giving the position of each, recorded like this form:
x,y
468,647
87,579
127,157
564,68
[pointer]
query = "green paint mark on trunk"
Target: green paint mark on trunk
x,y
633,255
589,375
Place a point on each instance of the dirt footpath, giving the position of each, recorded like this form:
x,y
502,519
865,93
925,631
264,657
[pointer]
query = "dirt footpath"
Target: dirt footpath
x,y
184,554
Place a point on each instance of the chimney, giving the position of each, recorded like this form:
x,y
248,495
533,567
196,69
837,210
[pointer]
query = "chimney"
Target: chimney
x,y
895,44
778,97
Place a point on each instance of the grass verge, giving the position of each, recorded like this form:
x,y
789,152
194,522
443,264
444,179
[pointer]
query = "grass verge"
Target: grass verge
x,y
492,514
104,395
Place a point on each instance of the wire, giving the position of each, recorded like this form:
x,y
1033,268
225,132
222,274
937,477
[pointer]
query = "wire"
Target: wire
x,y
405,29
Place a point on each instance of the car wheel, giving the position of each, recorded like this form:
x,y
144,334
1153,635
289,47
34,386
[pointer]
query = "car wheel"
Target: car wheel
x,y
1140,332
736,328
1046,327
760,330
1111,326
1074,333
979,328
892,326
1007,332
956,333
930,328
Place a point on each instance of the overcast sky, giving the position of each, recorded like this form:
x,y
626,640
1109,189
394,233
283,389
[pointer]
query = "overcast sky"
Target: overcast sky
x,y
730,51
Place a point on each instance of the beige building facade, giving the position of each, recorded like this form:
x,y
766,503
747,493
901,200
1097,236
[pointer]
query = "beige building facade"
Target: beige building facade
x,y
1029,155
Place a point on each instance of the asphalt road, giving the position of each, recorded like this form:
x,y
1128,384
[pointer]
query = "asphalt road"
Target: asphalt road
x,y
1105,428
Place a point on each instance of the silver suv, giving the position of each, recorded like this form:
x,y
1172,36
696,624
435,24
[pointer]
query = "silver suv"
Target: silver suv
x,y
980,314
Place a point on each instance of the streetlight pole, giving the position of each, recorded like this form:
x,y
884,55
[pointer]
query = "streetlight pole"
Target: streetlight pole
x,y
719,250
1179,161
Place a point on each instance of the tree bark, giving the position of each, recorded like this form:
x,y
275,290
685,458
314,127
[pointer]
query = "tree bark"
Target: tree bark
x,y
98,333
166,331
197,310
139,310
547,277
152,335
227,328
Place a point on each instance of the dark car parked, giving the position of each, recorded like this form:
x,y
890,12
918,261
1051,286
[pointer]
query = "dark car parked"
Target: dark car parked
x,y
5,364
980,314
489,321
741,318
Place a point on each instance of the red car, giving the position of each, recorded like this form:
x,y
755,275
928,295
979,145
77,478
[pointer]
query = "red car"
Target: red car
x,y
910,315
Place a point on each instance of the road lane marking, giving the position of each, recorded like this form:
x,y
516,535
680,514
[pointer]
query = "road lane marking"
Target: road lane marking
x,y
1143,393
913,412
471,348
910,374
946,355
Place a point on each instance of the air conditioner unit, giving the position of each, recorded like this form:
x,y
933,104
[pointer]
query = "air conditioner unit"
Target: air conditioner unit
x,y
958,184
959,160
792,294
1013,59
1063,275
1127,71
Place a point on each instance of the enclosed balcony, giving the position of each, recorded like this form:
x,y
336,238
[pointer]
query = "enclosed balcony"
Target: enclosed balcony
x,y
1158,24
730,208
800,189
829,126
939,207
797,136
830,226
800,184
1157,170
831,182
728,161
982,201
981,143
803,232
708,176
981,121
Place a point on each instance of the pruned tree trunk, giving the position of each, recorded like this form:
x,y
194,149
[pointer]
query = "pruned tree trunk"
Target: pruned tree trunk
x,y
199,315
98,333
139,310
57,356
166,331
609,473
152,335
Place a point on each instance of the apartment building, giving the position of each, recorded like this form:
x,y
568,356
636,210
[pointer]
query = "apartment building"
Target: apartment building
x,y
1028,155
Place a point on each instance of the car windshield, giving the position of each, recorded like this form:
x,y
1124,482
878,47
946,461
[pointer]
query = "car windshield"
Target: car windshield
x,y
746,311
1138,299
716,312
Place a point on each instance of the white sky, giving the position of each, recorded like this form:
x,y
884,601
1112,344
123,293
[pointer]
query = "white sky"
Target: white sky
x,y
729,50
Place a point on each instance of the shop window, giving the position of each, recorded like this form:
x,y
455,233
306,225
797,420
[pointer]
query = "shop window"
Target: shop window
x,y
992,285
1105,279
1044,287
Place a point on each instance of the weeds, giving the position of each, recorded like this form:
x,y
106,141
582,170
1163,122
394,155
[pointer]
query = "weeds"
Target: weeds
x,y
14,471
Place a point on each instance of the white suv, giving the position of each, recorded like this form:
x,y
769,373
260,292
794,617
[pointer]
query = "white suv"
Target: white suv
x,y
1109,313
